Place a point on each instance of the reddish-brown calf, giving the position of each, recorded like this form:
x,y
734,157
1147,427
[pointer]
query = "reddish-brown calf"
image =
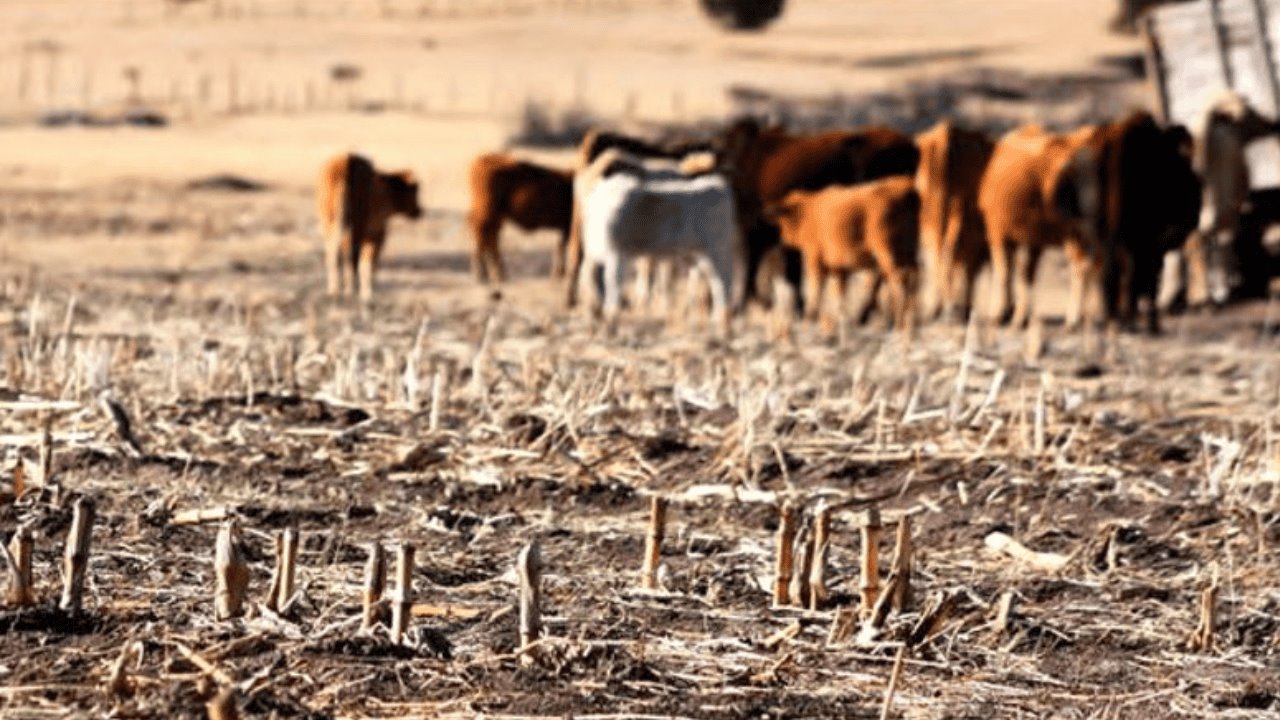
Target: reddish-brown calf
x,y
530,195
952,238
355,203
871,226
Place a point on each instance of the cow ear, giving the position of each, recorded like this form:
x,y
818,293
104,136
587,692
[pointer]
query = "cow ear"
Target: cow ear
x,y
408,176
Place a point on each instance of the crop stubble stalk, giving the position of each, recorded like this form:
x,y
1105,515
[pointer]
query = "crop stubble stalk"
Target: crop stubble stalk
x,y
402,607
21,588
902,565
529,572
653,541
818,564
785,541
232,573
282,580
76,559
869,584
375,579
802,556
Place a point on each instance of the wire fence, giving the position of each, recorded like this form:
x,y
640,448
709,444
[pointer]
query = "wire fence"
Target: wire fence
x,y
148,10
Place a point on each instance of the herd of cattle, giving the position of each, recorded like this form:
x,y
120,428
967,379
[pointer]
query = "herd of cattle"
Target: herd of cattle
x,y
763,213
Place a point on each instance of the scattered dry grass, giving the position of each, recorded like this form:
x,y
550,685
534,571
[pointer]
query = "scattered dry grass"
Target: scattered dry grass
x,y
1154,479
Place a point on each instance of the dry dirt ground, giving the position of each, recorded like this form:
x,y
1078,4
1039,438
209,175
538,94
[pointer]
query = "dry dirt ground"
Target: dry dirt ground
x,y
1151,464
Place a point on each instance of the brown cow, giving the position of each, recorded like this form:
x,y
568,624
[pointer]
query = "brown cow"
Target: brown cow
x,y
871,226
1040,189
532,196
355,203
767,163
952,234
1150,204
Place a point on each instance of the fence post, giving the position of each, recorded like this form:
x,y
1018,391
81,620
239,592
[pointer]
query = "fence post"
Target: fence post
x,y
1220,41
1155,66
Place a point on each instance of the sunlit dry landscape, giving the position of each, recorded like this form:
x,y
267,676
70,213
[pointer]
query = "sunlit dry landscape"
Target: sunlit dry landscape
x,y
175,273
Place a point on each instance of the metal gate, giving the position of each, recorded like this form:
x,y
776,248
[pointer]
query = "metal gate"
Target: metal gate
x,y
1197,50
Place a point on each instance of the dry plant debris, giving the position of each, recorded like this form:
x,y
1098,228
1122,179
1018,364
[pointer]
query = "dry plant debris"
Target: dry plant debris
x,y
1107,499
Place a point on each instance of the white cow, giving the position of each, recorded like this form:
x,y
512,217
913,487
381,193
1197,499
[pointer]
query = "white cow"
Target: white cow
x,y
649,275
1228,126
629,214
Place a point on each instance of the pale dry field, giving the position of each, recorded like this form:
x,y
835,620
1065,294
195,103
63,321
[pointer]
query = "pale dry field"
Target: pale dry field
x,y
1150,464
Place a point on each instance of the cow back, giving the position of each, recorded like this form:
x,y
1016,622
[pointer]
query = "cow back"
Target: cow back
x,y
531,195
1151,189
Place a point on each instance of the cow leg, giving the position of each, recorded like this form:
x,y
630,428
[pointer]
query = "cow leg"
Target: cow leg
x,y
908,292
591,278
933,300
887,270
1173,282
841,293
897,315
1196,271
574,259
1130,269
663,274
351,264
782,314
333,261
964,277
718,269
945,280
871,281
738,297
1116,274
615,270
367,263
558,255
496,271
944,275
813,281
1220,270
757,241
679,317
1028,260
484,233
644,284
1081,270
1001,287
1145,287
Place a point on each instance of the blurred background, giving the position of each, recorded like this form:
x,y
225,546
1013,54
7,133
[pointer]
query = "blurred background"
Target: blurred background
x,y
198,102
